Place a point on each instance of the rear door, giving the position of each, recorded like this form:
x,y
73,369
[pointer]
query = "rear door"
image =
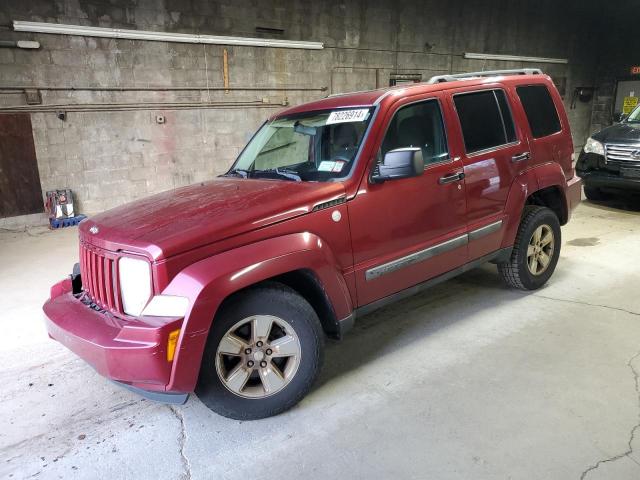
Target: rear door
x,y
493,151
547,142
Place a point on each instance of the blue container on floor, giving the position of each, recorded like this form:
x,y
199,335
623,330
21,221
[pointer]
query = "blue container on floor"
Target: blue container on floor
x,y
66,222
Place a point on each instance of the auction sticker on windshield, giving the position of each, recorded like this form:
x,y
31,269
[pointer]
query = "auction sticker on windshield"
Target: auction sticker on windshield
x,y
334,167
343,116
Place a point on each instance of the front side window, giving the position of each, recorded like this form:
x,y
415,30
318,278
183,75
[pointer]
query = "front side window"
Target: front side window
x,y
485,119
540,110
418,125
314,146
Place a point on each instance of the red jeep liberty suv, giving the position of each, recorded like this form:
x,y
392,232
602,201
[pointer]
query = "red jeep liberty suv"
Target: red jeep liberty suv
x,y
333,209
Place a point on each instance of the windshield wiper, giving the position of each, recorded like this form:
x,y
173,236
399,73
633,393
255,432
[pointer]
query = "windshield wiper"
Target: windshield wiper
x,y
282,172
237,171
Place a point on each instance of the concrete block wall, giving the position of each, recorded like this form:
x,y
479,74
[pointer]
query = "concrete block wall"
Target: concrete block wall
x,y
111,157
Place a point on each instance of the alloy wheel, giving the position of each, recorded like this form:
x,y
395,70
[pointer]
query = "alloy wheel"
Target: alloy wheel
x,y
258,356
540,250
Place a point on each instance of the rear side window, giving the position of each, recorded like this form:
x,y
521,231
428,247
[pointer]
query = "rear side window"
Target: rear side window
x,y
540,110
485,119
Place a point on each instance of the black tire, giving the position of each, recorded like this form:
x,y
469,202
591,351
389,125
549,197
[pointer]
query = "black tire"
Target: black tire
x,y
516,272
594,194
279,301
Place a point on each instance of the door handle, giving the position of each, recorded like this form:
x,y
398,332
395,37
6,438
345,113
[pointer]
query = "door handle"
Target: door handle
x,y
521,157
455,177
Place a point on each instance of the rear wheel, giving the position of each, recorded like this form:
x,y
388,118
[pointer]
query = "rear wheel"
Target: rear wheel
x,y
594,194
264,351
536,250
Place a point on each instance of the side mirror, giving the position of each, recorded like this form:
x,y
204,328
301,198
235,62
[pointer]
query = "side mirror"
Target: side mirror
x,y
400,163
619,117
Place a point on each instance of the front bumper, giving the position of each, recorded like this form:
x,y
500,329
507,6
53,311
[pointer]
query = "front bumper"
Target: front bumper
x,y
600,179
131,352
596,172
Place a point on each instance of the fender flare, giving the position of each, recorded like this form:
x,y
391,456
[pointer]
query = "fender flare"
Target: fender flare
x,y
208,282
552,175
523,186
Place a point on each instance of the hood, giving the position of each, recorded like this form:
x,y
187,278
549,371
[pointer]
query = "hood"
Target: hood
x,y
620,133
189,217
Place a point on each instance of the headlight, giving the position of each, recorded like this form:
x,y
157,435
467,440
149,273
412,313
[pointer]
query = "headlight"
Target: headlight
x,y
593,146
135,284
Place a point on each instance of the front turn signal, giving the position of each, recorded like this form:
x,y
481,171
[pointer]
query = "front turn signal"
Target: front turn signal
x,y
171,344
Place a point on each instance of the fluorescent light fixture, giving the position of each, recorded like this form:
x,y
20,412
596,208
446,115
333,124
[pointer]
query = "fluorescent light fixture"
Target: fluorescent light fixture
x,y
61,29
513,58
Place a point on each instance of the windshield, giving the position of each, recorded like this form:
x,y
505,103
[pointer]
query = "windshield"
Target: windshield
x,y
634,116
314,146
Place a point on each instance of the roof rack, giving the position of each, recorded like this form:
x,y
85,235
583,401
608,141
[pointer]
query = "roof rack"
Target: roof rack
x,y
489,73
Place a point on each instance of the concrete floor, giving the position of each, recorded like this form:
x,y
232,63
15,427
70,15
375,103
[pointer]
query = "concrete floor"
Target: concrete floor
x,y
468,380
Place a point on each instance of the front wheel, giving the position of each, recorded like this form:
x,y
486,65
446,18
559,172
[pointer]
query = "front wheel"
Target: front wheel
x,y
535,252
264,351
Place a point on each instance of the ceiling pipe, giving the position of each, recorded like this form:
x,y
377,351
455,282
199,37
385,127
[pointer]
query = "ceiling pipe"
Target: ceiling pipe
x,y
161,89
112,107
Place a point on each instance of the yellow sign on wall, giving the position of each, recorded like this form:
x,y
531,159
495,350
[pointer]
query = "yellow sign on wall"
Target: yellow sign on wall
x,y
629,104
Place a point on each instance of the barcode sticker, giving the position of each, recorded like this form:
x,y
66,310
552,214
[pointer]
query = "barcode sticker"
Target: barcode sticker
x,y
343,116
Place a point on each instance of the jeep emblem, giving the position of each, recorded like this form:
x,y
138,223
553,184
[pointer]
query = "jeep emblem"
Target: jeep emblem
x,y
94,229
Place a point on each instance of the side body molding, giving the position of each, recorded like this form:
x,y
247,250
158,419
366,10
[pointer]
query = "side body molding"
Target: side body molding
x,y
528,182
208,282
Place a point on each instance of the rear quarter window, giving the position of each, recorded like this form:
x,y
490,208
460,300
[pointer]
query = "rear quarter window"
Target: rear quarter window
x,y
540,110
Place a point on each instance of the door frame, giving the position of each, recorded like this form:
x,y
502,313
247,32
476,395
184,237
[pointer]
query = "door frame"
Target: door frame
x,y
21,168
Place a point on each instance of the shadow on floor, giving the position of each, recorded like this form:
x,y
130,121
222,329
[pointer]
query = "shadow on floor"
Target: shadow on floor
x,y
396,326
627,202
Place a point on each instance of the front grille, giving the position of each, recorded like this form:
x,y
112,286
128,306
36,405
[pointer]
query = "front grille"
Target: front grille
x,y
98,273
625,154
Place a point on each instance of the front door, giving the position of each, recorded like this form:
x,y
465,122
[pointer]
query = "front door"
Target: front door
x,y
409,230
